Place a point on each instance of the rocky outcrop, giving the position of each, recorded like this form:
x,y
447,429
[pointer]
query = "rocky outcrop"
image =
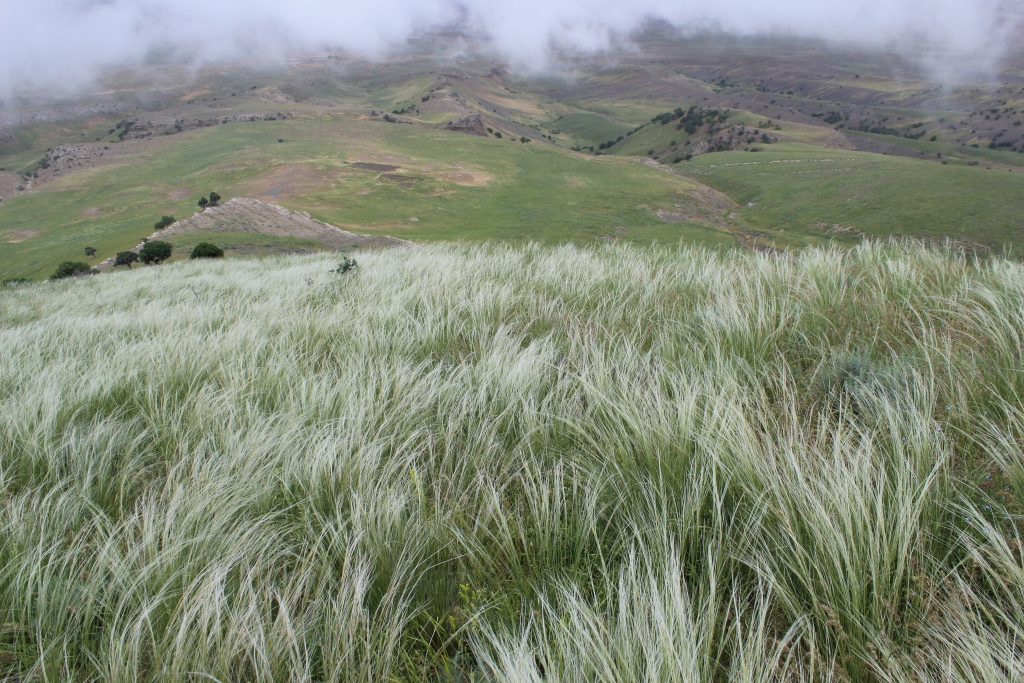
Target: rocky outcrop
x,y
471,125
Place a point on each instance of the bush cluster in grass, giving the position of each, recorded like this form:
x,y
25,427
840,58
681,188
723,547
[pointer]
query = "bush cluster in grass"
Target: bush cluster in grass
x,y
515,465
206,250
71,269
164,222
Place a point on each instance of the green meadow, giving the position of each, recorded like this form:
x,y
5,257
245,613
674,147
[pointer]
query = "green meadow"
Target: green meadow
x,y
459,187
795,189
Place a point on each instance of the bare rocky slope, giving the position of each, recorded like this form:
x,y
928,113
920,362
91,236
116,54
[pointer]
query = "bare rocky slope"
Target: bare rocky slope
x,y
251,215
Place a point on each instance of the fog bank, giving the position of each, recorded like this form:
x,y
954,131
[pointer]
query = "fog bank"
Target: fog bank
x,y
65,43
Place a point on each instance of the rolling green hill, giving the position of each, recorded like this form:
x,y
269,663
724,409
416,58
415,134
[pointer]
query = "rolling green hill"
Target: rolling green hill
x,y
101,170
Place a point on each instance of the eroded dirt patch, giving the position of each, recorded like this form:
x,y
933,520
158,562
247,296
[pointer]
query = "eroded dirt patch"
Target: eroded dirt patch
x,y
19,236
10,184
466,178
293,180
251,215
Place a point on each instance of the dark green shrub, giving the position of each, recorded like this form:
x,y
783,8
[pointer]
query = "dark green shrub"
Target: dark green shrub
x,y
164,222
90,251
214,199
346,266
126,258
14,282
207,250
71,269
155,252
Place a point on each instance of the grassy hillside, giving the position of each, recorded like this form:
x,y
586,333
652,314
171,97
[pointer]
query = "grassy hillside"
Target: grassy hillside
x,y
810,194
219,128
459,187
516,464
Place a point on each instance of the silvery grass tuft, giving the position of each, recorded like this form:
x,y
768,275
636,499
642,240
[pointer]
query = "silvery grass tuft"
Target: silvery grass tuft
x,y
517,464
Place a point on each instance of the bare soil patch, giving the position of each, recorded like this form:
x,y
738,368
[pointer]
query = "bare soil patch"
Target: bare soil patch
x,y
291,180
251,215
91,212
837,141
179,193
9,184
466,178
672,217
19,236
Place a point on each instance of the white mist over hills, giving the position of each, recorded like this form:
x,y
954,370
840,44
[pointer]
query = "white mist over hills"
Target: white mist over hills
x,y
65,43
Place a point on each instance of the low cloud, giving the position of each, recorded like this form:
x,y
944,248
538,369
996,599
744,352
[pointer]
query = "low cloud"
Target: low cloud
x,y
66,43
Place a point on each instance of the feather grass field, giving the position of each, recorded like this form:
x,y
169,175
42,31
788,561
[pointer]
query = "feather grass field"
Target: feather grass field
x,y
517,464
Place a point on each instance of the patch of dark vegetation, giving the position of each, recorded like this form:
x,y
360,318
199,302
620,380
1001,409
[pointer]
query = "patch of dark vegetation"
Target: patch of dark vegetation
x,y
693,118
72,269
345,267
164,222
155,252
893,132
206,250
126,258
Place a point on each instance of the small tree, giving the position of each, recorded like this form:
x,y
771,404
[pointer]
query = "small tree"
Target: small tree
x,y
207,250
155,252
71,269
203,203
126,258
90,251
214,199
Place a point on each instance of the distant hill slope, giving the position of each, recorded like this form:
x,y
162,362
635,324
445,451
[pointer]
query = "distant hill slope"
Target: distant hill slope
x,y
237,223
251,215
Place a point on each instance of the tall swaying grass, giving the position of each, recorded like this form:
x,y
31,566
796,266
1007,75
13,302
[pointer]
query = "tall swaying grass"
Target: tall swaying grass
x,y
517,465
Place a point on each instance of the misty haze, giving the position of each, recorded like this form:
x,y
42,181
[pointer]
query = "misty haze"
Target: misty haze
x,y
511,342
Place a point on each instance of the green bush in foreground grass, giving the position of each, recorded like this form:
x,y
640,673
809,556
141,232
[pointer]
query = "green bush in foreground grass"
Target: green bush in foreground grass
x,y
518,464
206,250
155,251
71,269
